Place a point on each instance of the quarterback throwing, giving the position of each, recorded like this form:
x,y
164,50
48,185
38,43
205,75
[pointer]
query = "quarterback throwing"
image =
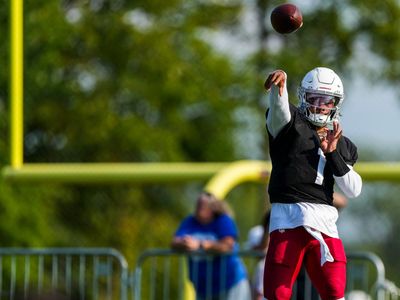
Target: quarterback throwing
x,y
309,156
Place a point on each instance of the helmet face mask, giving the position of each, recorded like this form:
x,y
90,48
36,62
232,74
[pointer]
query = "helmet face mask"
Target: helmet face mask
x,y
320,119
321,96
316,99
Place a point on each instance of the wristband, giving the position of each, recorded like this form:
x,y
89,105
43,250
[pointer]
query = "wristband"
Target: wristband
x,y
337,164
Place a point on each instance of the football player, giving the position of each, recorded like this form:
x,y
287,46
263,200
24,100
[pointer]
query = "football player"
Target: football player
x,y
309,155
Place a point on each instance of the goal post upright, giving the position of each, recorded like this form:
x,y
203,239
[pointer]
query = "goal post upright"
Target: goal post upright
x,y
16,84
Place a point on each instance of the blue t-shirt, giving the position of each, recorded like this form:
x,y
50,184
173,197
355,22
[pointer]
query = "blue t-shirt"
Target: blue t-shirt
x,y
225,270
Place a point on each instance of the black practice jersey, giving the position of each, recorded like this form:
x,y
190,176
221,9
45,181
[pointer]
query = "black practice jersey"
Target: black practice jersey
x,y
296,158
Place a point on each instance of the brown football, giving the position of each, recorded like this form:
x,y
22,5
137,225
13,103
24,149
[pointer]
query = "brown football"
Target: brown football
x,y
286,18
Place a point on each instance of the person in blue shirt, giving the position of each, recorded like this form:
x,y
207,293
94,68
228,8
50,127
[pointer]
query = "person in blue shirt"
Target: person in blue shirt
x,y
218,273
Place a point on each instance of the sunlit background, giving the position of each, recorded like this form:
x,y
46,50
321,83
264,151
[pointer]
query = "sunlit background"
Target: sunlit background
x,y
182,81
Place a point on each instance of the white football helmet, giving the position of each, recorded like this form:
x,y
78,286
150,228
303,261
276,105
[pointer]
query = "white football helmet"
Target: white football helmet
x,y
322,84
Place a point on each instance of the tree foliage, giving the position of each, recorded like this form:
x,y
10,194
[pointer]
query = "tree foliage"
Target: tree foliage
x,y
156,81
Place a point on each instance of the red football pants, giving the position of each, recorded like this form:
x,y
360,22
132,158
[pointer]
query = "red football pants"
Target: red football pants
x,y
286,252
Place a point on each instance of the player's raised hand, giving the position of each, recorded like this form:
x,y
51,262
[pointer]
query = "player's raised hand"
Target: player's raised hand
x,y
278,78
330,139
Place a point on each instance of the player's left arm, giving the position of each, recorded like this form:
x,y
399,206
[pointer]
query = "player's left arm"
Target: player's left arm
x,y
350,183
348,180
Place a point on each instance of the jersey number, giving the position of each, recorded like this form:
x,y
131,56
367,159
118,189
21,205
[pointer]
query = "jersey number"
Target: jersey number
x,y
321,167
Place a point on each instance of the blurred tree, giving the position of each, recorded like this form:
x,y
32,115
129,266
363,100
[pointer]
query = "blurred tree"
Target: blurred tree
x,y
108,83
4,73
153,80
101,79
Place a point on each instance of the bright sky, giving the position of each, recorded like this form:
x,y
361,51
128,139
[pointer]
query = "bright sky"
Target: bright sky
x,y
371,116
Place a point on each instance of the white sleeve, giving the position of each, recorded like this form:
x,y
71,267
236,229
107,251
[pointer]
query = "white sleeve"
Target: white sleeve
x,y
258,277
279,113
350,183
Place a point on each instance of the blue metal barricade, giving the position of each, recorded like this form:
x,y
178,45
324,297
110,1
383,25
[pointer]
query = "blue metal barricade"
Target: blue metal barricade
x,y
63,273
162,274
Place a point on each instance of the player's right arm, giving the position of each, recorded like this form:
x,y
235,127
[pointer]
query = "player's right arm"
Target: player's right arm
x,y
278,102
